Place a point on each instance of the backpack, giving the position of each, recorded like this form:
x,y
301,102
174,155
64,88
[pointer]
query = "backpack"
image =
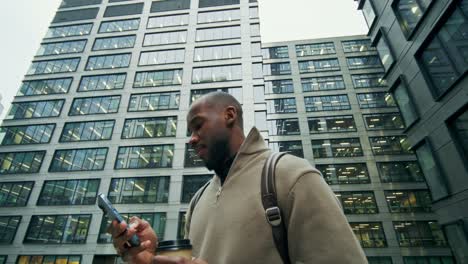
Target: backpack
x,y
270,204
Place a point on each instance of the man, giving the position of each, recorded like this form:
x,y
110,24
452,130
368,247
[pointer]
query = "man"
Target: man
x,y
228,224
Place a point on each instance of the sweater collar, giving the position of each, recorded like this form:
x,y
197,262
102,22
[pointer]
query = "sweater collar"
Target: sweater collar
x,y
253,143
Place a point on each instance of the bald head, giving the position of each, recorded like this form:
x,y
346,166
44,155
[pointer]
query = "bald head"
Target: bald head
x,y
220,101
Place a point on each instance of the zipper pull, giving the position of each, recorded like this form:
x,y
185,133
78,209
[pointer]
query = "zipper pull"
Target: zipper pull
x,y
218,193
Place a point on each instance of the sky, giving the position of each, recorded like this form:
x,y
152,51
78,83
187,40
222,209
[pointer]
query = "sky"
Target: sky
x,y
25,23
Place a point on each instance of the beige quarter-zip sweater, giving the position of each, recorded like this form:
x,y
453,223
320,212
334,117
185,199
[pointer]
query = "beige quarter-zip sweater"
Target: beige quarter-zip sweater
x,y
228,224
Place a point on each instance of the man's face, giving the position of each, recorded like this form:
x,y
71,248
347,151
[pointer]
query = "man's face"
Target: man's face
x,y
209,134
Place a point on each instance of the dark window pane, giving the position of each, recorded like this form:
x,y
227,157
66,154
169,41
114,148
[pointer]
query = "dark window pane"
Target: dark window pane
x,y
328,124
292,147
408,201
58,229
280,127
78,160
69,192
352,173
145,157
370,234
139,190
191,184
400,171
13,194
344,147
419,234
357,202
284,105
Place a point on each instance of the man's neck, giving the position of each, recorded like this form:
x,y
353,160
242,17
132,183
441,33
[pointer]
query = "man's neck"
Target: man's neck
x,y
223,171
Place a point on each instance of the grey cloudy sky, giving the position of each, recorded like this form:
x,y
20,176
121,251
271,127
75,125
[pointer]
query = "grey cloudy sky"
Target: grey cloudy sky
x,y
25,23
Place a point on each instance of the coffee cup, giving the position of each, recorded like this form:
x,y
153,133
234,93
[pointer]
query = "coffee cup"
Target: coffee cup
x,y
175,248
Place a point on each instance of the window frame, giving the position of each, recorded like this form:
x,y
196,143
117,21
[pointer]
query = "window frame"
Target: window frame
x,y
91,97
84,122
156,110
20,218
66,53
77,149
54,125
26,199
382,36
93,48
409,34
117,20
401,80
454,135
151,118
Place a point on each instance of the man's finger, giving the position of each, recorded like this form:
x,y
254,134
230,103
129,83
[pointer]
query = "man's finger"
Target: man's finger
x,y
169,260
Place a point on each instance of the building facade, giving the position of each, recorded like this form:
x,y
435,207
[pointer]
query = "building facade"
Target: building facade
x,y
423,46
103,107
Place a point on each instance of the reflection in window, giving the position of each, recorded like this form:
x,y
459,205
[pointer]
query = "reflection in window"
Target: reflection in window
x,y
315,49
21,162
364,62
47,86
164,38
53,66
282,105
218,33
158,78
369,13
90,159
275,52
58,48
279,86
235,91
429,260
191,157
280,127
36,109
39,259
319,65
69,31
217,74
95,105
405,104
322,83
400,171
351,173
8,227
168,21
409,13
13,194
58,229
145,157
69,192
108,62
23,135
292,147
419,234
375,100
224,52
119,25
357,202
277,68
459,126
120,42
218,16
383,121
139,190
335,148
390,145
151,127
162,57
87,131
102,82
154,102
328,124
372,80
326,103
408,201
431,171
370,234
384,51
191,184
358,45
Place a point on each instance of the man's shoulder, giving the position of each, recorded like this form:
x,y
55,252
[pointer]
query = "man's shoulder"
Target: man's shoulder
x,y
290,168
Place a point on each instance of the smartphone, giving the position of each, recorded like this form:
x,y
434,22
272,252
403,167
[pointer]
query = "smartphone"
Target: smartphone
x,y
113,214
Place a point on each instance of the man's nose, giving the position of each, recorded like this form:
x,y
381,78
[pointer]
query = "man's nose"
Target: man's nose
x,y
193,139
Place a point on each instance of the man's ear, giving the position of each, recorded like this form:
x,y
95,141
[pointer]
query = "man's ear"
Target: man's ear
x,y
230,114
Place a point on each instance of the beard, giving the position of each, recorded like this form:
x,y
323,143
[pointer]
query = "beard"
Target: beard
x,y
217,153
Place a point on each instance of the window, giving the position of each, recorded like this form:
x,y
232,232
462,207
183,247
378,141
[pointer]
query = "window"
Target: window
x,y
154,101
58,229
357,45
219,16
90,159
322,83
123,10
260,120
191,184
351,173
458,237
384,50
375,100
121,42
113,259
282,127
8,227
256,49
58,48
253,12
46,259
419,234
224,52
275,52
368,12
95,105
145,157
444,58
21,162
69,31
254,30
405,104
279,86
326,103
191,158
282,105
383,121
169,5
236,92
119,25
68,4
217,74
14,194
329,124
53,66
168,21
158,78
157,221
23,135
337,148
87,131
259,94
459,127
3,259
370,234
319,65
315,49
102,82
431,171
36,109
409,13
108,62
373,80
379,260
257,70
209,3
162,57
75,15
277,68
358,202
292,147
408,201
400,171
429,260
218,33
151,127
164,38
390,145
364,62
47,86
139,190
69,192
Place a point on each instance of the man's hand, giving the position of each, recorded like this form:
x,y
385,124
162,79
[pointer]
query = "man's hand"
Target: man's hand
x,y
142,254
176,260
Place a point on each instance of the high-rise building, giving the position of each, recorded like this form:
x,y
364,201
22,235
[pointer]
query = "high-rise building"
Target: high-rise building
x,y
424,49
1,105
103,109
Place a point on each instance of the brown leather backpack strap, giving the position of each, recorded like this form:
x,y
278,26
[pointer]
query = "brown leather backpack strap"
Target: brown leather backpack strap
x,y
196,197
270,204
